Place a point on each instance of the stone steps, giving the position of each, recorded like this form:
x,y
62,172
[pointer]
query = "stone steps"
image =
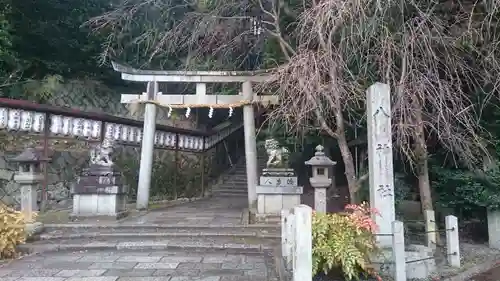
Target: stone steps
x,y
262,231
134,241
229,193
229,186
269,220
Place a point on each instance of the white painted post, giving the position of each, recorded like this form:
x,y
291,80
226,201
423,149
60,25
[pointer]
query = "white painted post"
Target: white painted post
x,y
284,237
290,243
430,228
250,145
302,262
398,251
452,241
147,149
381,170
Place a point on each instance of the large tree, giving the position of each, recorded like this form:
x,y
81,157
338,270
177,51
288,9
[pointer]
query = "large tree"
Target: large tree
x,y
437,57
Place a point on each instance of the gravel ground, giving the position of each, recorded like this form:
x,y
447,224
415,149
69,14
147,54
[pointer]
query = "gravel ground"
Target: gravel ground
x,y
473,257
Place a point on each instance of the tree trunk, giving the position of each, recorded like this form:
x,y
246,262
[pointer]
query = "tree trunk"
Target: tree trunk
x,y
350,172
424,185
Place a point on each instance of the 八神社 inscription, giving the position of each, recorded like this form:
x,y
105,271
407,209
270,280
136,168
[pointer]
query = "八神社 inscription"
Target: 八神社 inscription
x,y
380,159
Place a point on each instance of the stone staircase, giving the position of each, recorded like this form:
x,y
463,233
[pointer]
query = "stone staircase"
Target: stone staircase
x,y
209,238
234,183
191,234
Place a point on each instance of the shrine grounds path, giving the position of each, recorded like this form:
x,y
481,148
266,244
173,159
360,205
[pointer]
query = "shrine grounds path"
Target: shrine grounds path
x,y
206,240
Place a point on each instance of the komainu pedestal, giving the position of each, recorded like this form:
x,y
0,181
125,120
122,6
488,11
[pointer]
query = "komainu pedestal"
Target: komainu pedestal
x,y
278,190
100,192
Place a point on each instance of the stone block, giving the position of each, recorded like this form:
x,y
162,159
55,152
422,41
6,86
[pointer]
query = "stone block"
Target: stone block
x,y
29,198
278,181
90,205
271,200
100,192
32,229
425,263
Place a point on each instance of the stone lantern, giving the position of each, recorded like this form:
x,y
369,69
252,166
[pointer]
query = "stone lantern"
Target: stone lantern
x,y
320,179
29,176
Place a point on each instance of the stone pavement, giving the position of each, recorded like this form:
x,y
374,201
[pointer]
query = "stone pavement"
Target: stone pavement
x,y
203,241
139,266
209,211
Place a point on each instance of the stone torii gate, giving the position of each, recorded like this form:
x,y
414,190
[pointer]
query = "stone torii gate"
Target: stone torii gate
x,y
153,98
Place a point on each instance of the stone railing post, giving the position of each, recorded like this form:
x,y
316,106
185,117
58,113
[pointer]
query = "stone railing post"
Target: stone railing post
x,y
398,249
493,228
430,228
302,250
320,179
452,241
287,236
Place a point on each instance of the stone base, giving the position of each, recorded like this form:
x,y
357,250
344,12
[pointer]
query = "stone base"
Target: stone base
x,y
494,229
273,199
32,229
117,216
421,269
103,205
278,172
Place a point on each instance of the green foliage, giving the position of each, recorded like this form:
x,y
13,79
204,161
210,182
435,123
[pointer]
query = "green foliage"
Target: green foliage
x,y
40,90
170,178
344,241
469,193
49,38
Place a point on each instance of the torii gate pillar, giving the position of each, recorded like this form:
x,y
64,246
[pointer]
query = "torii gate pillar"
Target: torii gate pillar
x,y
250,145
199,77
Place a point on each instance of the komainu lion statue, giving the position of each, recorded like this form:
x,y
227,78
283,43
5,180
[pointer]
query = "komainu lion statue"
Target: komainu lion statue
x,y
275,153
101,154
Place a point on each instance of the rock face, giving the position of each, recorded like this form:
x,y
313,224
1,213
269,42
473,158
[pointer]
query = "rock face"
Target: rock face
x,y
70,156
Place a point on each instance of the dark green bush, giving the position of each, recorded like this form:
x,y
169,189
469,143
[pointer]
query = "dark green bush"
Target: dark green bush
x,y
170,178
468,193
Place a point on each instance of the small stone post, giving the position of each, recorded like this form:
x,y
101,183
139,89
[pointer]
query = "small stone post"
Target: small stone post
x,y
284,237
302,264
320,179
398,249
430,228
290,239
452,242
493,228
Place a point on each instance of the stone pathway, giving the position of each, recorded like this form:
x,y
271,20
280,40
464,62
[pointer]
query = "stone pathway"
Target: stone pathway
x,y
140,266
212,211
203,240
